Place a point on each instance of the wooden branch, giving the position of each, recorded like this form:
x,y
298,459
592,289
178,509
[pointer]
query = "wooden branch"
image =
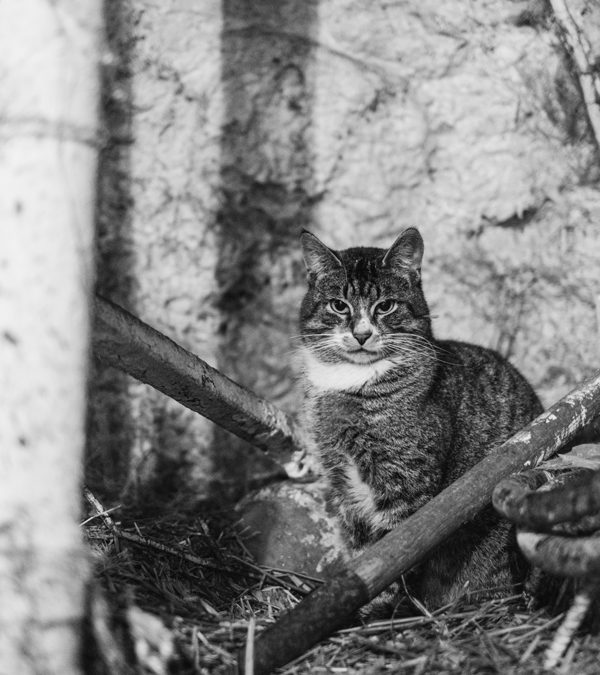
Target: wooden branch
x,y
561,556
574,500
123,341
329,607
581,52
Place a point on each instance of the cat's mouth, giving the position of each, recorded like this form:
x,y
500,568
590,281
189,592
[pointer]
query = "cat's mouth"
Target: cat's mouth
x,y
362,355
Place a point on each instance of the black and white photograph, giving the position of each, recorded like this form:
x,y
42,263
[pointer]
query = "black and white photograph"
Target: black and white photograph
x,y
299,337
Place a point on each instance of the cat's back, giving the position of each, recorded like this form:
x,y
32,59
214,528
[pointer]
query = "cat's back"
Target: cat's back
x,y
488,398
484,374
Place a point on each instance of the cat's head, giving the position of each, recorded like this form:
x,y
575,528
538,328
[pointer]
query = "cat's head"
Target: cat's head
x,y
364,304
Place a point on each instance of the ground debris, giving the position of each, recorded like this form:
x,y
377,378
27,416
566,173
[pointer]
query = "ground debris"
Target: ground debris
x,y
194,574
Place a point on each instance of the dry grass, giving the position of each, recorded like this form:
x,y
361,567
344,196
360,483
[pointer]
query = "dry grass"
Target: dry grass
x,y
195,575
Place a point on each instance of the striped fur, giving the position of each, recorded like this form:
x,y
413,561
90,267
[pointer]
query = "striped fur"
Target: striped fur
x,y
401,416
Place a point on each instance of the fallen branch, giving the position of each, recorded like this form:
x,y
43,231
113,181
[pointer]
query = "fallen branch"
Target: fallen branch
x,y
330,606
574,499
123,341
560,555
571,506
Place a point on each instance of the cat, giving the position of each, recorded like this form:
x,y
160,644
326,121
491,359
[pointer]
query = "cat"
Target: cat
x,y
397,415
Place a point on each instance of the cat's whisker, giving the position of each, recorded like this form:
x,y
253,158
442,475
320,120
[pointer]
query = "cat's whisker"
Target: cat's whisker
x,y
410,337
429,349
407,337
430,354
408,353
416,347
415,343
311,335
410,344
322,346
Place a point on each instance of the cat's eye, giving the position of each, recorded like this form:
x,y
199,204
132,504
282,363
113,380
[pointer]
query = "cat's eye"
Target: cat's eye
x,y
339,306
386,306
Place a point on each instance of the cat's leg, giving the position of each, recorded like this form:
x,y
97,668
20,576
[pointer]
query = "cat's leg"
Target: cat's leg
x,y
480,559
390,603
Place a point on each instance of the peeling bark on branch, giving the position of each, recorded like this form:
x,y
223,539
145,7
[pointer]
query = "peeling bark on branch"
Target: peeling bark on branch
x,y
562,556
123,341
320,613
574,501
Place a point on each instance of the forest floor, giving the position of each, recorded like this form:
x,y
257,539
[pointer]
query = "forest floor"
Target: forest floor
x,y
181,595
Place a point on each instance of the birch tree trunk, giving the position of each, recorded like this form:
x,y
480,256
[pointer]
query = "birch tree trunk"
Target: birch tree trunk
x,y
48,131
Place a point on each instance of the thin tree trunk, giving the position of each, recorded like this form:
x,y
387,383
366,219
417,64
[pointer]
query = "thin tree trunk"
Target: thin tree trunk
x,y
48,132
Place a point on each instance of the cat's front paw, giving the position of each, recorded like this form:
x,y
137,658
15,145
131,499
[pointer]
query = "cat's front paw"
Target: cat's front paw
x,y
390,603
303,468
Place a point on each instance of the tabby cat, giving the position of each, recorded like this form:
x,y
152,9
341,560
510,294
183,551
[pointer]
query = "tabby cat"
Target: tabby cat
x,y
397,415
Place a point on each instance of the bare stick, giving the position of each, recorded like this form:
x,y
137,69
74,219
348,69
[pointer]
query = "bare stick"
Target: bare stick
x,y
143,541
568,556
123,341
569,626
578,45
329,607
572,503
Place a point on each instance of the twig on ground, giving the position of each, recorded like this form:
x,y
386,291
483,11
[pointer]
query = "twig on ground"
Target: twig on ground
x,y
249,658
567,629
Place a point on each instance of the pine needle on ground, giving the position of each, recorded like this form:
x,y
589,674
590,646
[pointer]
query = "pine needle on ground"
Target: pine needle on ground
x,y
195,575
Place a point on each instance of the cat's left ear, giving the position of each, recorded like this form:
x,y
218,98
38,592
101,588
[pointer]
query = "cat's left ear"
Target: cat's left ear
x,y
406,252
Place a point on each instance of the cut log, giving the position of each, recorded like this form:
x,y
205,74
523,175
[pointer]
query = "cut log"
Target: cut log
x,y
330,606
123,341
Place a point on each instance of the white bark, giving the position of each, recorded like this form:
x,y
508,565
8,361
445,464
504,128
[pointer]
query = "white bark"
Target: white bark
x,y
572,19
48,127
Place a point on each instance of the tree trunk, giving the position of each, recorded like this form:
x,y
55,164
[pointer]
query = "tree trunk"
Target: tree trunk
x,y
48,134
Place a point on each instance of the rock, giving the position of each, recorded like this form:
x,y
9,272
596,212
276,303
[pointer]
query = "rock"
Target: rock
x,y
287,525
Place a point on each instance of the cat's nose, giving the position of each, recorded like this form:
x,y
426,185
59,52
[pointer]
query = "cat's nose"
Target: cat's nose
x,y
362,337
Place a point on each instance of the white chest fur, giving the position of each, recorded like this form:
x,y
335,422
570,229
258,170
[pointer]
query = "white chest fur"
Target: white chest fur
x,y
361,499
342,376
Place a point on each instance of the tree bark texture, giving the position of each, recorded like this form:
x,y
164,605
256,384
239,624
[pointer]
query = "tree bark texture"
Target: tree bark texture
x,y
49,97
319,614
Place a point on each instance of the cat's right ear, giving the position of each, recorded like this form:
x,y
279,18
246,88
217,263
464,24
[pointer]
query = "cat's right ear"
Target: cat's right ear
x,y
317,257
